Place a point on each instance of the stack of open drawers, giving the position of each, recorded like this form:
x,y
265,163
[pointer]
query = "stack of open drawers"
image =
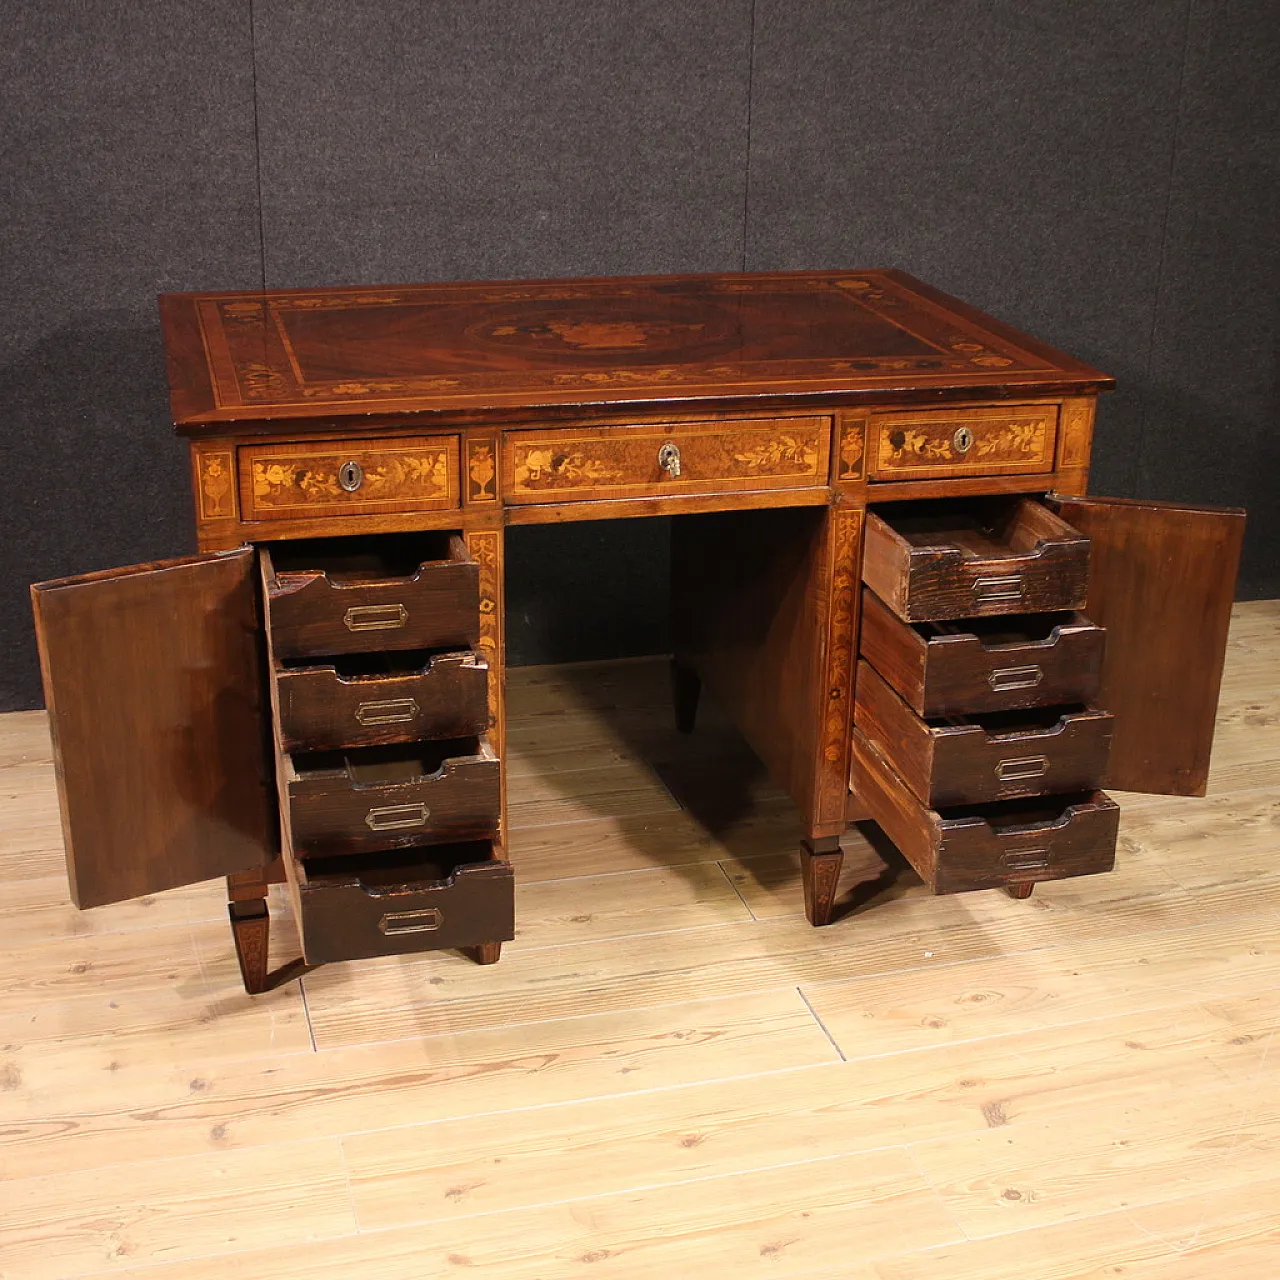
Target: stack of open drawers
x,y
390,792
975,744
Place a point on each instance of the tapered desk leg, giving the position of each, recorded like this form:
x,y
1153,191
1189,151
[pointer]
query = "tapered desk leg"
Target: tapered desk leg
x,y
487,953
250,925
685,690
1020,891
820,862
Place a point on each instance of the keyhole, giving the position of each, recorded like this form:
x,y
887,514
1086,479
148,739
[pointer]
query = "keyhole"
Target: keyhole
x,y
962,441
351,476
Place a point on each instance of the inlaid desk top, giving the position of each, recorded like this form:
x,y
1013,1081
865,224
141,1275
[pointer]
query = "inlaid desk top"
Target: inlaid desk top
x,y
562,347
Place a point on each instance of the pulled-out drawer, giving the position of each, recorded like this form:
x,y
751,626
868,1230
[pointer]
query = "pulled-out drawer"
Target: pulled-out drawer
x,y
422,899
976,558
381,798
999,756
354,595
665,459
1009,844
927,444
983,664
379,698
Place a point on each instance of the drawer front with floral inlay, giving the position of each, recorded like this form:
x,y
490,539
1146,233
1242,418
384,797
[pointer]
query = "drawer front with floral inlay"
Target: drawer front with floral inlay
x,y
937,443
662,459
292,481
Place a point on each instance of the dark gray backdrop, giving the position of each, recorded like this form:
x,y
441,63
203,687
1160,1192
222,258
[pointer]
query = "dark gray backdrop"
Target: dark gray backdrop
x,y
1102,173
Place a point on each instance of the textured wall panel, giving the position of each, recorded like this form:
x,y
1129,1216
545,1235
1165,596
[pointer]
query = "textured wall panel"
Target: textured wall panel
x,y
1213,394
129,169
1014,154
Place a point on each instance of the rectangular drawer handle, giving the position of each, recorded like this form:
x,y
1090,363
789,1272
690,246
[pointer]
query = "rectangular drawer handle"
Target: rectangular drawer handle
x,y
1022,767
1006,679
425,921
1008,588
375,617
1027,859
391,711
397,817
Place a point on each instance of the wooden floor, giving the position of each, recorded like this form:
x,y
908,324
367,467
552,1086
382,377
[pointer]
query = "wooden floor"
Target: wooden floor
x,y
669,1074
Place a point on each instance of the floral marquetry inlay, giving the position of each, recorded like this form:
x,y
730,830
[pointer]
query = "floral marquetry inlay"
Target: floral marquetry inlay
x,y
672,459
279,480
959,442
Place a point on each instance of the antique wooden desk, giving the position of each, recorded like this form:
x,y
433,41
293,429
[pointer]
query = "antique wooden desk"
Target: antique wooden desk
x,y
880,551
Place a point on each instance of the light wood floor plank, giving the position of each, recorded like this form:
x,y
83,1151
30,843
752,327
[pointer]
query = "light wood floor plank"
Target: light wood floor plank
x,y
64,1114
770,1223
649,1083
97,1221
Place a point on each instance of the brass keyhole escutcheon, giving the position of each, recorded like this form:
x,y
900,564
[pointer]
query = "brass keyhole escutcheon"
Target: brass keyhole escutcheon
x,y
351,476
962,441
669,459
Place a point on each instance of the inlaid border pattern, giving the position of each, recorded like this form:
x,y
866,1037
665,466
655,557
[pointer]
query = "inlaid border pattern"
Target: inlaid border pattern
x,y
842,625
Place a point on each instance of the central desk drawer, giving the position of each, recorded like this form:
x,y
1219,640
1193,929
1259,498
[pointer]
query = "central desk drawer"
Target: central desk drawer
x,y
383,798
664,459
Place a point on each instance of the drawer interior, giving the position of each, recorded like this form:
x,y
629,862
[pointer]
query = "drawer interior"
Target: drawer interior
x,y
976,528
353,668
1002,631
395,871
366,561
387,766
1034,813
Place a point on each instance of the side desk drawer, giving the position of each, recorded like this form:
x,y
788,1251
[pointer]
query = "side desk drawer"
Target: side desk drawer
x,y
343,595
351,908
1013,842
983,664
970,760
383,798
936,444
971,559
338,477
373,699
580,465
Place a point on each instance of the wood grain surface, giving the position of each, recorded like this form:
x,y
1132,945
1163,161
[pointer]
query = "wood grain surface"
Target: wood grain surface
x,y
450,349
670,1072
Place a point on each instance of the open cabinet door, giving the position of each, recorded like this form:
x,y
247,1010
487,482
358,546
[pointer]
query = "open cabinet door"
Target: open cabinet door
x,y
1161,581
153,682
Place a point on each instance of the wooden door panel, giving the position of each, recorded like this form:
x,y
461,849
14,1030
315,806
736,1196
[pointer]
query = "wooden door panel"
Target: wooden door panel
x,y
153,681
1161,581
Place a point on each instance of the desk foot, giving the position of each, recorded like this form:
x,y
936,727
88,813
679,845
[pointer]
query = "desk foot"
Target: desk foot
x,y
820,862
486,952
251,929
1020,891
685,690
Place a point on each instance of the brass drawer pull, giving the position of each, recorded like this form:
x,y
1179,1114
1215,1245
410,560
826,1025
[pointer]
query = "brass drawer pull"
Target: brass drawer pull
x,y
669,459
425,921
391,711
990,589
397,817
375,617
1027,859
351,476
1023,767
1006,679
